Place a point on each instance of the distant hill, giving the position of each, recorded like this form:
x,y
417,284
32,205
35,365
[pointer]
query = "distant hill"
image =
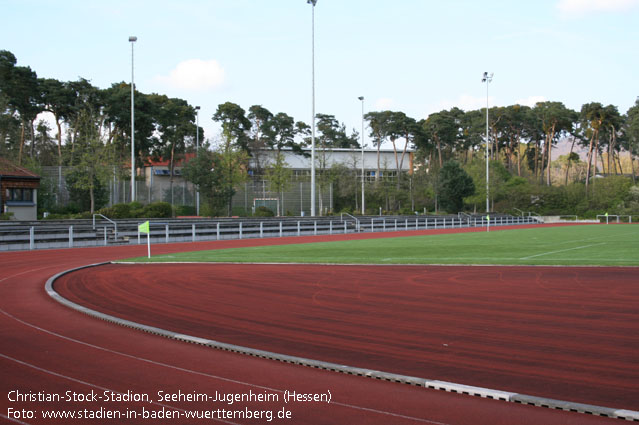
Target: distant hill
x,y
563,148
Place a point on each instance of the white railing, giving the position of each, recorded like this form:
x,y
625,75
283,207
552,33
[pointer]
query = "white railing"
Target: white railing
x,y
352,217
46,235
115,226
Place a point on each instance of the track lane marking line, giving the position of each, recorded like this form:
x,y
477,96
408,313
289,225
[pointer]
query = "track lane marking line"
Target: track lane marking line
x,y
88,384
14,420
561,250
206,375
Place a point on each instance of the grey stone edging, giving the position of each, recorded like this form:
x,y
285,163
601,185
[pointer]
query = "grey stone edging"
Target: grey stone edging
x,y
624,414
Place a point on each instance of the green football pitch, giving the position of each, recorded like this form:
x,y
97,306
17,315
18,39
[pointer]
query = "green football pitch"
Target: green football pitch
x,y
583,245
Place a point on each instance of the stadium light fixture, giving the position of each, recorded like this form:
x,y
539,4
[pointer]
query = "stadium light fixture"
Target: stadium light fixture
x,y
487,79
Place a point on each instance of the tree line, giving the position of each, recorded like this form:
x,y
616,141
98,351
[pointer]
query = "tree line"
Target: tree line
x,y
93,127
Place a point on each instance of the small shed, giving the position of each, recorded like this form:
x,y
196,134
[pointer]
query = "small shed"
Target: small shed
x,y
18,191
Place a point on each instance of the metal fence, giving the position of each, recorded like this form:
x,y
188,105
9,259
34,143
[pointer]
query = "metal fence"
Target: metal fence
x,y
101,232
294,200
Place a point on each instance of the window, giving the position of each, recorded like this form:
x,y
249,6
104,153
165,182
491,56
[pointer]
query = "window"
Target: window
x,y
19,195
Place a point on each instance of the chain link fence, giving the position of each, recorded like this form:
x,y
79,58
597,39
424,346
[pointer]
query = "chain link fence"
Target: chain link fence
x,y
295,200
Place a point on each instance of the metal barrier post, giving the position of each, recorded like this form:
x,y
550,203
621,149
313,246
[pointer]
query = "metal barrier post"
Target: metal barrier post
x,y
31,237
315,227
70,236
261,229
218,230
240,229
166,229
299,229
105,236
280,229
330,227
193,231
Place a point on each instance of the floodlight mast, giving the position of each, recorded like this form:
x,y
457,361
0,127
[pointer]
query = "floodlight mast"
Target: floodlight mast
x,y
132,40
197,154
487,79
361,98
313,3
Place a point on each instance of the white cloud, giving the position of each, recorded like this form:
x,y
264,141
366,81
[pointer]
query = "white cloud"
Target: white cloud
x,y
530,101
576,8
195,74
384,104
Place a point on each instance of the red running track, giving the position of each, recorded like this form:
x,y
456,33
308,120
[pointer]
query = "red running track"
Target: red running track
x,y
46,347
564,333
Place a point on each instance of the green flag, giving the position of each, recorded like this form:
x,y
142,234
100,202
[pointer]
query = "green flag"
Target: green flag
x,y
488,217
606,214
144,228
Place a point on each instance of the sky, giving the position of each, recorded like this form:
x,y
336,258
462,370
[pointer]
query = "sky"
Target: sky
x,y
415,56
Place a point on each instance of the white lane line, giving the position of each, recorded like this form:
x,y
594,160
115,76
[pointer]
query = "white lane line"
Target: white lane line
x,y
14,420
562,250
88,384
26,271
207,375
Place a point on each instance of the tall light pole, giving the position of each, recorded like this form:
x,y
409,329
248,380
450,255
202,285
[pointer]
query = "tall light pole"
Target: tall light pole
x,y
197,153
363,198
132,39
313,3
487,79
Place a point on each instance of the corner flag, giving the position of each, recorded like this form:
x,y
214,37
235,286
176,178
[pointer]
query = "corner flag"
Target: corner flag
x,y
144,228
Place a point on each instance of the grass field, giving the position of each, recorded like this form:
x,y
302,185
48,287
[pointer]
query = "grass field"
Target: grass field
x,y
603,245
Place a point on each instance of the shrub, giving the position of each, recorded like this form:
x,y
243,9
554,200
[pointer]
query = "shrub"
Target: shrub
x,y
185,210
239,212
263,212
158,210
119,211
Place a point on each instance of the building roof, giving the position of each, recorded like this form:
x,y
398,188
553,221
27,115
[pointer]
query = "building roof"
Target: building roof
x,y
356,150
161,162
9,169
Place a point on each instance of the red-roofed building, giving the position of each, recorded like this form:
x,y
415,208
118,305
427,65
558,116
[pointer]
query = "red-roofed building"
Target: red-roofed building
x,y
18,191
157,177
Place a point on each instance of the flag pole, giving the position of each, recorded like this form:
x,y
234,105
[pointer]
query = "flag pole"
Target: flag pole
x,y
148,244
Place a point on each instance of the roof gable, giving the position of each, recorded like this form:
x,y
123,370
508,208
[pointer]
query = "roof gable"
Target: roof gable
x,y
9,169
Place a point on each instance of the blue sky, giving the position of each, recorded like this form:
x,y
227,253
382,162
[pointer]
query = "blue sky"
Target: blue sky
x,y
416,56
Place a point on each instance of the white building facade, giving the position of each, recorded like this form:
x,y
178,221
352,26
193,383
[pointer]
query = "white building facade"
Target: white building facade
x,y
385,163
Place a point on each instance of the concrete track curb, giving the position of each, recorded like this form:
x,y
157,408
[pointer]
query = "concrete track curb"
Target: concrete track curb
x,y
630,415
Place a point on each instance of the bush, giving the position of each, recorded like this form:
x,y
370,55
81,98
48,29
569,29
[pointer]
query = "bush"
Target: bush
x,y
158,210
239,212
6,216
182,210
406,211
263,212
116,211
